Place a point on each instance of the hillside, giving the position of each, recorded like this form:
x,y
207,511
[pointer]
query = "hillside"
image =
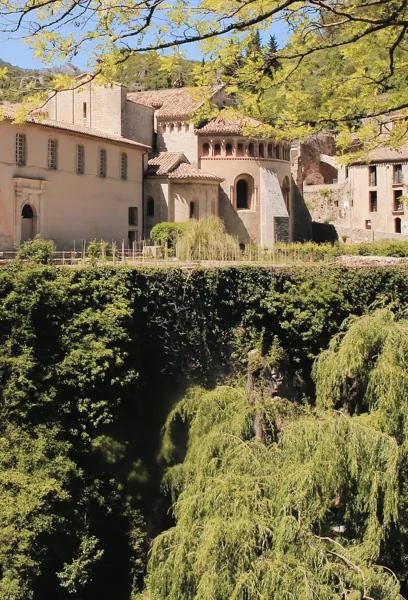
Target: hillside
x,y
140,72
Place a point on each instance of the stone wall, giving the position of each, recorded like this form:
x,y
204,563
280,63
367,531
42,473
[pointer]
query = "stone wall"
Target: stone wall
x,y
327,202
178,137
138,123
95,106
331,232
67,206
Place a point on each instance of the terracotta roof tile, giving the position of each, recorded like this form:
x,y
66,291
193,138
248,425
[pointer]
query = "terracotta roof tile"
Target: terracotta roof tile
x,y
228,126
383,154
164,162
187,171
9,111
174,103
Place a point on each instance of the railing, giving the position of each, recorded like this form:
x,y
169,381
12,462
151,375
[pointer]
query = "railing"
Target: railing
x,y
145,253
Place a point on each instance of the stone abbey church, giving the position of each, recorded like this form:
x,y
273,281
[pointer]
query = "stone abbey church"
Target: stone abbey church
x,y
109,165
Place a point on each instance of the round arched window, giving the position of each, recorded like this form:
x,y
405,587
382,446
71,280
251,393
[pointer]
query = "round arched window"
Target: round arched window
x,y
242,195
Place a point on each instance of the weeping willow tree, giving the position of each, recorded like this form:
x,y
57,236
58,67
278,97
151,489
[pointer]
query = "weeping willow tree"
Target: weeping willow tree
x,y
206,239
315,508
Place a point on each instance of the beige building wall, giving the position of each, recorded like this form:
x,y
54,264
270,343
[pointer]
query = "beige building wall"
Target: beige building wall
x,y
67,206
204,196
178,136
95,106
245,224
358,210
157,189
138,123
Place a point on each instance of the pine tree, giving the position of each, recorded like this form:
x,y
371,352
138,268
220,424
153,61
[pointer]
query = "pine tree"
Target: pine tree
x,y
272,63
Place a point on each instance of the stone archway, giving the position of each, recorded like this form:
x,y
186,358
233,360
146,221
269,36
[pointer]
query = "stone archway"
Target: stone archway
x,y
28,223
28,208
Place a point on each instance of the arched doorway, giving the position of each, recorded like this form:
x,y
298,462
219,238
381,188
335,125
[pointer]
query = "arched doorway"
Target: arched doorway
x,y
28,229
397,225
286,193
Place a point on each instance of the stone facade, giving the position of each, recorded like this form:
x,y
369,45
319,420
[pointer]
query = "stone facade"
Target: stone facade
x,y
57,202
365,196
215,169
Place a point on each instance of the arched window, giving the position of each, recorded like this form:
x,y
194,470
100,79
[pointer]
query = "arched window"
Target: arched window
x,y
277,150
261,150
193,210
240,150
251,149
286,193
244,190
217,150
242,195
206,149
27,223
171,127
228,149
270,151
150,207
27,212
179,127
186,127
397,225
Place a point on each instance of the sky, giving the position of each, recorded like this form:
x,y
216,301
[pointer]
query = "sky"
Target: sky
x,y
19,54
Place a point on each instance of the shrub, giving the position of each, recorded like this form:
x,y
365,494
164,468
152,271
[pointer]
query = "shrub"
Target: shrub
x,y
166,234
97,250
37,250
207,239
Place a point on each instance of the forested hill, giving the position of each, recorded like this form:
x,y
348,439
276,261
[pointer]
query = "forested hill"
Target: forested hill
x,y
140,72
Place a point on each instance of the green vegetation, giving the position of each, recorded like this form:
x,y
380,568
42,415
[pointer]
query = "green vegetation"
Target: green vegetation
x,y
167,233
93,362
206,239
37,250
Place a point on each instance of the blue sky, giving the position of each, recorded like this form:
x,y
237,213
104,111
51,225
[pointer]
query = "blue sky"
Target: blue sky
x,y
17,53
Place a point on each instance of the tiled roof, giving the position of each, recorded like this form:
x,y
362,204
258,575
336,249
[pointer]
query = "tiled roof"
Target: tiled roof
x,y
164,162
187,171
174,103
229,126
174,165
9,112
383,154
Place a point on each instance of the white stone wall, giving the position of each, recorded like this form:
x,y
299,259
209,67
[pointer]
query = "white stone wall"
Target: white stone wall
x,y
68,206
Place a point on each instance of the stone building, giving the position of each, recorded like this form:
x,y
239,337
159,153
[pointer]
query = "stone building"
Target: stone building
x,y
88,170
68,182
363,201
253,173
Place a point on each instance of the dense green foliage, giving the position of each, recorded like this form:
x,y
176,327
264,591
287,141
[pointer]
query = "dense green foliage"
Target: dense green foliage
x,y
167,233
37,250
297,515
91,361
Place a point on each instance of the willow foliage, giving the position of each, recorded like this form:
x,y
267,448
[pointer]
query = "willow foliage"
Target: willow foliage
x,y
365,369
296,515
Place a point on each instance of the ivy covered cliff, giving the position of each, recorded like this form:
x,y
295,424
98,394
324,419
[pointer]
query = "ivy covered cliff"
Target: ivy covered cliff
x,y
103,430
